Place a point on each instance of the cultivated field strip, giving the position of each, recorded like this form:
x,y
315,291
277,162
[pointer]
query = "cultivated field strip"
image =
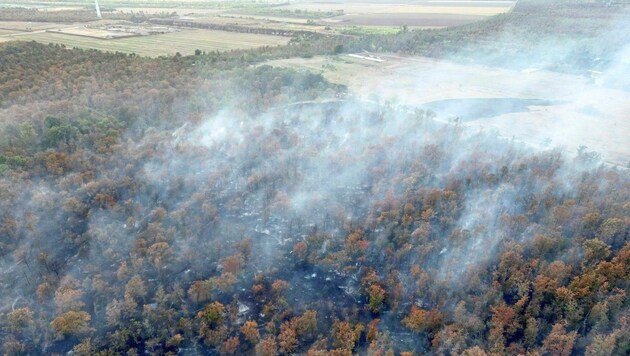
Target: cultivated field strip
x,y
184,42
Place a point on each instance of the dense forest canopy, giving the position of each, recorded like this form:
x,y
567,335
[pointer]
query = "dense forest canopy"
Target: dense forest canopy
x,y
202,205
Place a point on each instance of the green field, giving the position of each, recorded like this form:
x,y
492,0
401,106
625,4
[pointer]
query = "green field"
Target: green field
x,y
368,30
184,42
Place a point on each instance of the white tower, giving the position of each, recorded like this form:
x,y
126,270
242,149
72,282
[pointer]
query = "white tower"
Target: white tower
x,y
98,9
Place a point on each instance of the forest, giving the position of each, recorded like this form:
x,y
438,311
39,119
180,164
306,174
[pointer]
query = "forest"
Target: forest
x,y
205,205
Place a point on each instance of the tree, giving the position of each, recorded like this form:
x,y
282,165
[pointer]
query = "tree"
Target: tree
x,y
278,286
306,324
20,319
602,345
212,315
559,342
474,351
376,297
159,253
504,322
84,348
250,331
114,311
287,339
135,288
372,331
420,320
344,335
230,346
300,250
267,347
595,250
73,323
200,291
232,264
68,296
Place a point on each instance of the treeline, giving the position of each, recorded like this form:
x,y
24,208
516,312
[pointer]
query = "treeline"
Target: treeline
x,y
35,15
233,28
86,15
176,205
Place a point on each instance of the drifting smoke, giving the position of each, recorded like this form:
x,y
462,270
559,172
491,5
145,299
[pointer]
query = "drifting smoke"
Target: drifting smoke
x,y
296,172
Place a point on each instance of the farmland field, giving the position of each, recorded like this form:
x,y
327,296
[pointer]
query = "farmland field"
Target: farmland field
x,y
93,32
17,26
256,21
294,20
178,10
184,42
429,14
260,22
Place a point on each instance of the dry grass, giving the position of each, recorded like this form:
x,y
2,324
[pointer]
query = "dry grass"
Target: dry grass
x,y
184,42
416,81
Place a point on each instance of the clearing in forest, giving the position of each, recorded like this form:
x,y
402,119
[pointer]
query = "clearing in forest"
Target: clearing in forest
x,y
546,109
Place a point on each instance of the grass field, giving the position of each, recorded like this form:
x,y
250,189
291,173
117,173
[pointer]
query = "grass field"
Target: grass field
x,y
417,81
184,42
255,22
